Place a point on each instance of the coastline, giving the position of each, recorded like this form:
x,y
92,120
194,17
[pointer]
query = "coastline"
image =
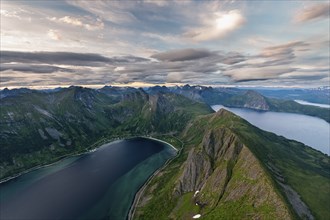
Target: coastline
x,y
140,192
98,144
89,149
40,167
155,139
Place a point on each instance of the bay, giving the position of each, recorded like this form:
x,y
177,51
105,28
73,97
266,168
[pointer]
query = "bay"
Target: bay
x,y
97,185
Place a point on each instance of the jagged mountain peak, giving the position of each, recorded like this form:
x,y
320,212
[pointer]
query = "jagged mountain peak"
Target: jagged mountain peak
x,y
14,92
253,93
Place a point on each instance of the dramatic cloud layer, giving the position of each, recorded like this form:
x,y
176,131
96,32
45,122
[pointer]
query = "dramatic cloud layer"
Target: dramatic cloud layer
x,y
68,58
161,42
182,55
313,12
33,68
217,26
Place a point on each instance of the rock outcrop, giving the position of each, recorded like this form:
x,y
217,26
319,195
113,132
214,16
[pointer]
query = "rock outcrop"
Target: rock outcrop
x,y
226,174
250,99
254,100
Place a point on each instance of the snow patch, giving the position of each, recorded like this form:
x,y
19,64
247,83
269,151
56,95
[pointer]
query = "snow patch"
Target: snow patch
x,y
196,193
55,134
42,134
11,115
44,112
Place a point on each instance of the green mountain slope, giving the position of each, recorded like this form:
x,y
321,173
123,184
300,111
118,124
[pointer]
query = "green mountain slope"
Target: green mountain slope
x,y
241,172
294,107
37,127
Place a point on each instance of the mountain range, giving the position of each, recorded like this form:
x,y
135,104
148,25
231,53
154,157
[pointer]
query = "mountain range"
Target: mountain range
x,y
226,168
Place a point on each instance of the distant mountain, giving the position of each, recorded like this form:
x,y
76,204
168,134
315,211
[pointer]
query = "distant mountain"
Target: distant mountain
x,y
318,95
38,127
254,100
13,92
209,95
231,97
226,169
229,169
250,99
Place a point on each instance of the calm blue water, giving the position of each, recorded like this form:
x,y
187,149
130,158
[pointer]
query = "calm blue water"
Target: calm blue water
x,y
97,185
312,103
311,131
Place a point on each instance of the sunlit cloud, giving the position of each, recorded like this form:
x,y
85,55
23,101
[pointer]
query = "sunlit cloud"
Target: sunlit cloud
x,y
162,42
54,34
220,25
89,25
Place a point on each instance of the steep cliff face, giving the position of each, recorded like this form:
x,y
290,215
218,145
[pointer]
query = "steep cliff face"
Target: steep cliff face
x,y
203,161
255,100
222,174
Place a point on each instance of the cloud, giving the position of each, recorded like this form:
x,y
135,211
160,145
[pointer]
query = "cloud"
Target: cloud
x,y
217,26
159,3
79,22
277,64
54,34
205,57
33,68
254,74
183,41
313,12
10,14
232,58
290,45
65,58
167,38
174,77
128,59
183,54
283,54
186,66
113,11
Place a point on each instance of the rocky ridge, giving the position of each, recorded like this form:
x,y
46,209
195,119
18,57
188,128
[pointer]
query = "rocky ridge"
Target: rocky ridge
x,y
229,169
225,173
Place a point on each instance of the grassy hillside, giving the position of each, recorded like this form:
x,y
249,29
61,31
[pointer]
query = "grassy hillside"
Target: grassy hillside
x,y
240,171
37,127
260,179
294,107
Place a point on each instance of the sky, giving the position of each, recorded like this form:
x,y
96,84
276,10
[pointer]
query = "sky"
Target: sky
x,y
47,43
